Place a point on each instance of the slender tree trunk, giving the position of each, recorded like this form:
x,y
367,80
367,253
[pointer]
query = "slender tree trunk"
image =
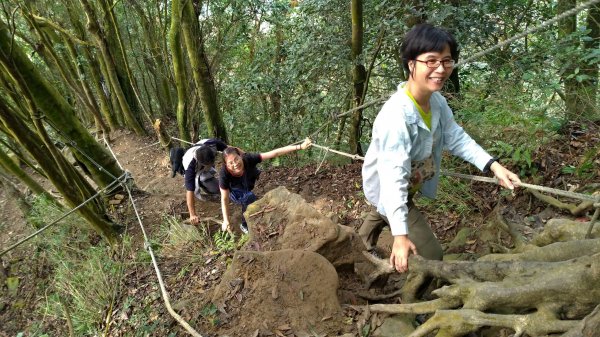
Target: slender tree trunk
x,y
66,64
89,97
111,71
92,69
178,69
567,27
593,44
278,58
202,73
131,85
67,181
112,36
359,75
12,168
57,111
451,23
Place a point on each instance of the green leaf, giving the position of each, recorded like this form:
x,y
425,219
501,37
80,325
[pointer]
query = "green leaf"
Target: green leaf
x,y
13,285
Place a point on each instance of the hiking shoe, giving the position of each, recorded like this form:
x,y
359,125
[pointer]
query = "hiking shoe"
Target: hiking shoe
x,y
244,228
375,254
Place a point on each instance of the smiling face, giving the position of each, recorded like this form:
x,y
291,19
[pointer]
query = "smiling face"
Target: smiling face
x,y
234,164
427,80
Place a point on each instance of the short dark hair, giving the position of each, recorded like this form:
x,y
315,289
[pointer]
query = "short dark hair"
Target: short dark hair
x,y
232,150
425,38
205,156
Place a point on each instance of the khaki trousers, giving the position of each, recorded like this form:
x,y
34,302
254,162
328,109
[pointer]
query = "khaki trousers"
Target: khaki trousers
x,y
419,232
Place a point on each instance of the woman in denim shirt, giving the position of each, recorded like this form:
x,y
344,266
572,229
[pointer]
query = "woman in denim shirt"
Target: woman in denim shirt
x,y
404,156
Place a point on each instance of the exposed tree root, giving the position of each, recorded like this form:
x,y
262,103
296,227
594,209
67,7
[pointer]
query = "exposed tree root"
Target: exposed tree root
x,y
575,210
455,323
551,290
371,297
588,327
558,251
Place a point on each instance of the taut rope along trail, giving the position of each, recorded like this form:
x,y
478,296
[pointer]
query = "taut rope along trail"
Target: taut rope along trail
x,y
148,247
125,177
569,194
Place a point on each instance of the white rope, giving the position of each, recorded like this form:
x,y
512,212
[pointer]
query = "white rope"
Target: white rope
x,y
62,217
147,246
529,31
490,180
147,146
111,152
183,141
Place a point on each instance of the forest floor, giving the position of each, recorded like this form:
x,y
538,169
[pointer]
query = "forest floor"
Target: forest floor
x,y
193,272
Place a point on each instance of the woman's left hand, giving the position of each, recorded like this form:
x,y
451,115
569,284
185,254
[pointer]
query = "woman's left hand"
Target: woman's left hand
x,y
506,178
306,144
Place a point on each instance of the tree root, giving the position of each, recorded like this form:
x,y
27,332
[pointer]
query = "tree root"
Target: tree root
x,y
558,251
549,289
415,308
509,227
575,210
382,267
456,323
371,297
588,327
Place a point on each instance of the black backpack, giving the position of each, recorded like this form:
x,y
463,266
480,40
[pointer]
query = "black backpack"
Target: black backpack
x,y
176,156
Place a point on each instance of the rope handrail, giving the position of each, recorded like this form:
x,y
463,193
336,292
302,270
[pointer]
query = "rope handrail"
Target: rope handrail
x,y
569,194
528,31
148,247
63,216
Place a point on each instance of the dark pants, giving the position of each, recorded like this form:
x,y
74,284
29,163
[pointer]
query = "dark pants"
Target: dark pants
x,y
419,232
243,198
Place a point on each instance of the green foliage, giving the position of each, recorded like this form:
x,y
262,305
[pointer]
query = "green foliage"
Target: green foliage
x,y
209,313
453,195
586,168
515,156
85,277
224,241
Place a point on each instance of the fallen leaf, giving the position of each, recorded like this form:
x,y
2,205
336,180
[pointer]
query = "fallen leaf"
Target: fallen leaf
x,y
284,327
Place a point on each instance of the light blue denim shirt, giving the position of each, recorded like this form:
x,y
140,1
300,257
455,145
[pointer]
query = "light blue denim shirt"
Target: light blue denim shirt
x,y
399,137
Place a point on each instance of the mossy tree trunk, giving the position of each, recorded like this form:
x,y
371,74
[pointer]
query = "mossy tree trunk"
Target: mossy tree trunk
x,y
178,69
574,90
123,68
359,75
11,167
57,111
112,36
201,71
157,59
111,73
91,68
70,184
592,45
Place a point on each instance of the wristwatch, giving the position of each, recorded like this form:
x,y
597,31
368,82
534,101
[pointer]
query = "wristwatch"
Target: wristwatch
x,y
486,168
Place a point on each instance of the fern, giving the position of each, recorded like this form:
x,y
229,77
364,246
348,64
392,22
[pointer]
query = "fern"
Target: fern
x,y
224,242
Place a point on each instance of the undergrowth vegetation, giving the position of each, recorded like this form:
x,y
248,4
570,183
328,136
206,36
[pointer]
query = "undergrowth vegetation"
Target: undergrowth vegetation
x,y
85,277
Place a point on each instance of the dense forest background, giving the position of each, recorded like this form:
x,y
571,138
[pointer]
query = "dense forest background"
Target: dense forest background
x,y
262,74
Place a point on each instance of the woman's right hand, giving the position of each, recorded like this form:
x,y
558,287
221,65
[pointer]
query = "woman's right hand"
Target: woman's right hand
x,y
225,226
401,249
306,144
193,219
